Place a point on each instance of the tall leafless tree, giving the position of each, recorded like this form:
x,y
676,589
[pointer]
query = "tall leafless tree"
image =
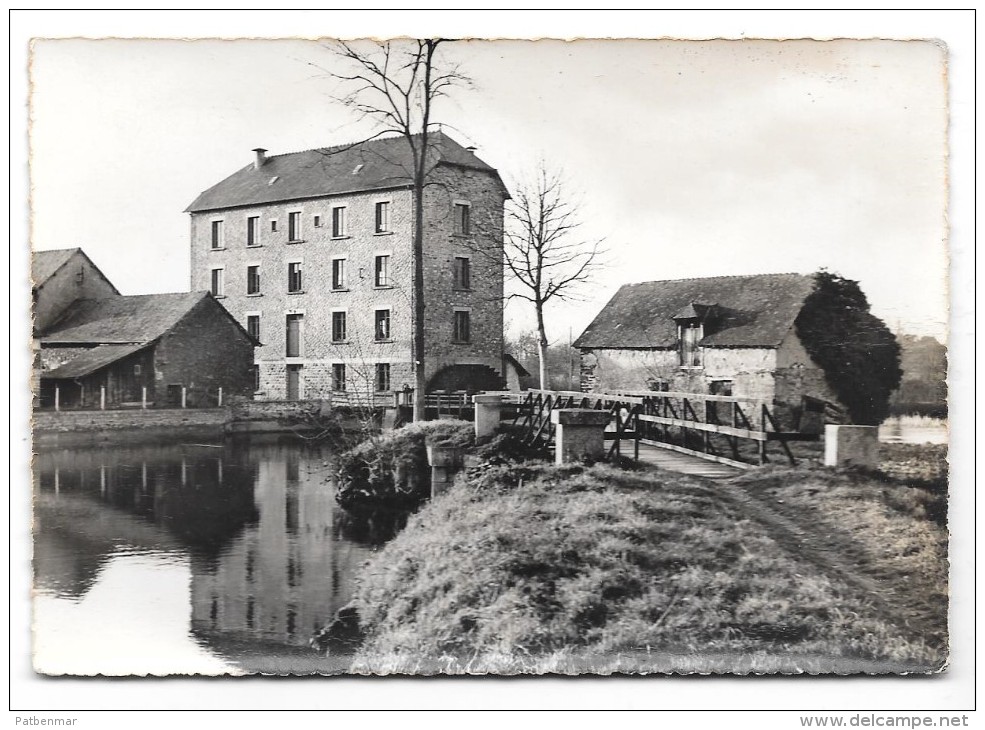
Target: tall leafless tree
x,y
395,84
545,254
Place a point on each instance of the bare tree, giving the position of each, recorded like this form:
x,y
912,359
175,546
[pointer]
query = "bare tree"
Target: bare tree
x,y
543,251
395,84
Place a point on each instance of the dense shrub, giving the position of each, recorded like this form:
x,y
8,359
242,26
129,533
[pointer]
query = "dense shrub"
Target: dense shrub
x,y
858,353
392,468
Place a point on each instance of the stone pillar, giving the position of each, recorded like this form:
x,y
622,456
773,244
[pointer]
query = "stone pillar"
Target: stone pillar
x,y
445,462
851,446
580,435
486,414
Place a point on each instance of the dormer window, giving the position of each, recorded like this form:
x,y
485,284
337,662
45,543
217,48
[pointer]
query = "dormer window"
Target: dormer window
x,y
691,323
689,334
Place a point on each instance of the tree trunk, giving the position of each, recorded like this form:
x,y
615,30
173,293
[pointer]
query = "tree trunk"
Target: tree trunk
x,y
417,350
542,346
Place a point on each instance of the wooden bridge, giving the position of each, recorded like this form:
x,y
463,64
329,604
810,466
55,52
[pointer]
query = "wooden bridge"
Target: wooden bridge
x,y
730,430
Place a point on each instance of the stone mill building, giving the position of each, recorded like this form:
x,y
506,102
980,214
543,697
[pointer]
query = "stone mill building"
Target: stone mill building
x,y
311,253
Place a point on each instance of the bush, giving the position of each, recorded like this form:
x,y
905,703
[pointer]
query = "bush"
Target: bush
x,y
858,353
392,468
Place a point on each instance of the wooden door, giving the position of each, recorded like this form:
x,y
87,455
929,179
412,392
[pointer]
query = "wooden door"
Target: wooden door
x,y
293,382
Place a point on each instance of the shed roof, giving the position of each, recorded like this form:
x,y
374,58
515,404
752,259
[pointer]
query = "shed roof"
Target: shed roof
x,y
89,361
377,164
44,264
749,311
121,320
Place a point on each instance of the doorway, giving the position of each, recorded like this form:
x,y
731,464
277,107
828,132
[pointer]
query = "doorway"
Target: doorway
x,y
293,382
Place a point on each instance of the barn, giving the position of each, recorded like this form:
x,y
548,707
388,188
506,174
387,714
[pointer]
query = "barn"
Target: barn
x,y
724,335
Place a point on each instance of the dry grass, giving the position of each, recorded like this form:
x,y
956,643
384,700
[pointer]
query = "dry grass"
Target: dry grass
x,y
531,568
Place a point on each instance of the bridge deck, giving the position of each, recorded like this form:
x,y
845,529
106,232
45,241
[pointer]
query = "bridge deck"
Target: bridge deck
x,y
685,463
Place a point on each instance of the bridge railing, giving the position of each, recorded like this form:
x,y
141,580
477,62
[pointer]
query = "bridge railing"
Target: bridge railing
x,y
725,428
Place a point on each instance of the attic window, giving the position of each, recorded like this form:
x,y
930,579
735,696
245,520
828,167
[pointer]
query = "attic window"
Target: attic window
x,y
689,335
273,180
357,168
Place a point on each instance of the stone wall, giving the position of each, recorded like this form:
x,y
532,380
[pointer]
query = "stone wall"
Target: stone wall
x,y
360,299
483,246
171,418
749,369
205,351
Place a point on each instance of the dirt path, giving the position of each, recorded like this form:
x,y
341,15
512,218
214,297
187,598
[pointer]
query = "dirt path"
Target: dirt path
x,y
836,553
839,556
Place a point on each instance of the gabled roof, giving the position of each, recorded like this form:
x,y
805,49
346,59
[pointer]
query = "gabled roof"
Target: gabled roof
x,y
44,264
89,361
377,164
749,311
121,320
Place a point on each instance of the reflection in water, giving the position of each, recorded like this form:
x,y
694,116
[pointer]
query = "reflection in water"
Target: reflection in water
x,y
271,556
913,430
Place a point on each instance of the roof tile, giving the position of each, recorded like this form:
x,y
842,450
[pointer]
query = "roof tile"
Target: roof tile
x,y
378,164
750,311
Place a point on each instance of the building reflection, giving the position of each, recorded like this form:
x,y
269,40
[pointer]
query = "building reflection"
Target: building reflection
x,y
272,555
283,578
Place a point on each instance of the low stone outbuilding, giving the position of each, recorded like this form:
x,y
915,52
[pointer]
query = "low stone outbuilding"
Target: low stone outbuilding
x,y
113,348
726,335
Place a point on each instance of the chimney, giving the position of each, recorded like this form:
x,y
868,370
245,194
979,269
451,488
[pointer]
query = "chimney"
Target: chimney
x,y
472,148
261,157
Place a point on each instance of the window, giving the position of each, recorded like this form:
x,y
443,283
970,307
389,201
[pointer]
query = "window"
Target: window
x,y
689,335
218,282
717,412
382,376
463,273
256,378
382,324
462,222
338,326
253,326
383,217
273,226
253,230
462,331
136,369
294,277
338,222
338,273
316,220
294,326
252,279
293,226
338,376
217,237
382,269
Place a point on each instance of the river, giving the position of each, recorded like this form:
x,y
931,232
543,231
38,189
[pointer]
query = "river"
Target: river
x,y
192,558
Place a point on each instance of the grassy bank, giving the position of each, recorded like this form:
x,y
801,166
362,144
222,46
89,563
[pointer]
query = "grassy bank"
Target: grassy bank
x,y
539,569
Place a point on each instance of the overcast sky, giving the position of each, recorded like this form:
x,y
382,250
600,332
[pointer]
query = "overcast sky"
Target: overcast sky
x,y
691,158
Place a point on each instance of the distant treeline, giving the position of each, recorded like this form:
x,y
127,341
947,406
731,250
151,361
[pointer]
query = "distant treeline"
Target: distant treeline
x,y
923,389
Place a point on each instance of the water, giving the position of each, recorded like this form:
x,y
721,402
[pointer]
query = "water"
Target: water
x,y
913,430
192,558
